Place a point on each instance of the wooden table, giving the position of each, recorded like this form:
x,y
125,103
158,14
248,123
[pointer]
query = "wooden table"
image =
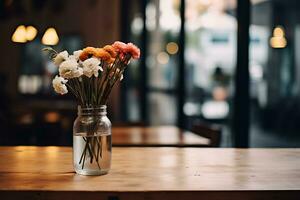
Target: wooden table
x,y
153,173
156,137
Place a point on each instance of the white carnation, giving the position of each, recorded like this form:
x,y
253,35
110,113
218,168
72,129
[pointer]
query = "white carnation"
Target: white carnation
x,y
70,69
91,67
77,54
72,57
59,85
61,57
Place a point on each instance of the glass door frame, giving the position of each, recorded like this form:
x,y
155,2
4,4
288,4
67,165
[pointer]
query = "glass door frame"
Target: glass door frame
x,y
241,99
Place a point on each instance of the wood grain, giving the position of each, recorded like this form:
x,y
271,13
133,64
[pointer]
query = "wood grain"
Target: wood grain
x,y
156,137
153,173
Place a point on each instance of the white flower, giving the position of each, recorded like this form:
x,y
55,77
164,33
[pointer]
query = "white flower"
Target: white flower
x,y
77,54
59,85
61,57
70,69
72,57
91,67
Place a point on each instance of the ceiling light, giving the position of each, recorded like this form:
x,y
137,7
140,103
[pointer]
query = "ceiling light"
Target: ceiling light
x,y
278,40
31,32
19,35
50,37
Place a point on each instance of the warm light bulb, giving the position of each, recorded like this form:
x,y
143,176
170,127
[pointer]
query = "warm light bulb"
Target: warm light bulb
x,y
278,40
50,37
19,35
31,32
278,32
162,58
172,48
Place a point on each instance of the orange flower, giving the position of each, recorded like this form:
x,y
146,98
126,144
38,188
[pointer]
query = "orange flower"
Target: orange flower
x,y
102,54
111,50
87,53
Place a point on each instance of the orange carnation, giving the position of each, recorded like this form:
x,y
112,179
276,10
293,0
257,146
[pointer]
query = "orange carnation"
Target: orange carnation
x,y
102,54
111,50
87,53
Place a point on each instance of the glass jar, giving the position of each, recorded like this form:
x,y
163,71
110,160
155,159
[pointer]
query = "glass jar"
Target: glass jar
x,y
92,141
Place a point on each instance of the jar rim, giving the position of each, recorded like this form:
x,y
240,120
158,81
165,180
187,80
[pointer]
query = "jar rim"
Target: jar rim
x,y
92,107
101,109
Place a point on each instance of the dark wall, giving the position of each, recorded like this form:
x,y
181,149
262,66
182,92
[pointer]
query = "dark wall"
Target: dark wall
x,y
23,120
97,21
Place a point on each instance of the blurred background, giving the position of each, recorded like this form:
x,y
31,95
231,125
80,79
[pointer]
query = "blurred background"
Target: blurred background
x,y
191,69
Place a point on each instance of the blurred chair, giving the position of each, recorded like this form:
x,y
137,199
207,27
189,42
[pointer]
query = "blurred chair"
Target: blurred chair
x,y
211,131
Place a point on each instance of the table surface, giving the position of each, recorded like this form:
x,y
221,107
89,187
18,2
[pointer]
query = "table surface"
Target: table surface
x,y
154,171
156,136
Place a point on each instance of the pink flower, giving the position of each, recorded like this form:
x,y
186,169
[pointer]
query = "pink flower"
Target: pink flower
x,y
119,46
133,50
128,48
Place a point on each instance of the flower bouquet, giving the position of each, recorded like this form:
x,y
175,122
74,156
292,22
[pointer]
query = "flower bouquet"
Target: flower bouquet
x,y
90,75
